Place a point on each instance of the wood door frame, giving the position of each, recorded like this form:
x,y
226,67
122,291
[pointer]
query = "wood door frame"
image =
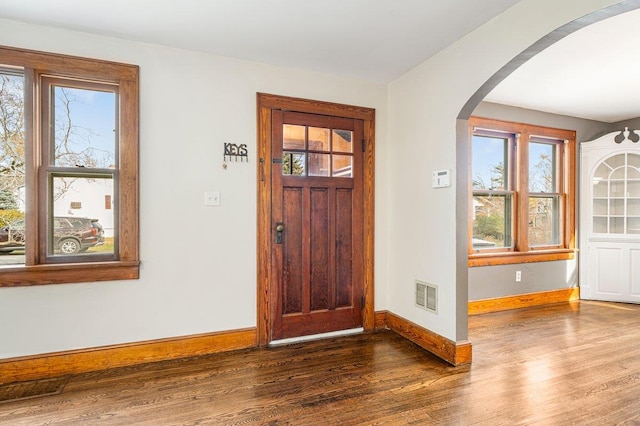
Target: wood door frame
x,y
265,104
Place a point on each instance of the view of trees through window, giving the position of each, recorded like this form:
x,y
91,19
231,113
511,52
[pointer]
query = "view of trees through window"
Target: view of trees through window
x,y
12,158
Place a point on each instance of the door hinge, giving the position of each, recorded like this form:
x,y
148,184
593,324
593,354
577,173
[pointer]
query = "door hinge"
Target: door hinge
x,y
362,302
364,145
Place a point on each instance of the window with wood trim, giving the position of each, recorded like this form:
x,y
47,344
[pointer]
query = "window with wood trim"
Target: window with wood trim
x,y
68,143
522,192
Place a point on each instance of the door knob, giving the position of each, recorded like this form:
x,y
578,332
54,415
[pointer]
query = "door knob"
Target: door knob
x,y
279,230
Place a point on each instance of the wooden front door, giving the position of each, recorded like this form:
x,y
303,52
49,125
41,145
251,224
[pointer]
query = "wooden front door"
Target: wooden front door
x,y
315,274
317,223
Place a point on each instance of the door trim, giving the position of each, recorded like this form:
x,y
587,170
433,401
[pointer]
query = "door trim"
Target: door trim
x,y
265,104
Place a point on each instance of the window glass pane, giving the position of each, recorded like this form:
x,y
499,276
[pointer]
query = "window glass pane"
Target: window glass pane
x,y
489,162
633,188
342,165
542,167
12,171
544,221
633,225
342,141
616,188
600,225
84,128
615,161
88,229
600,187
293,164
492,221
318,139
318,164
633,160
616,225
619,173
293,137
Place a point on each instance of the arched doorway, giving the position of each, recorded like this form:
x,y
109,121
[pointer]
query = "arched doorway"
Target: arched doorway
x,y
462,128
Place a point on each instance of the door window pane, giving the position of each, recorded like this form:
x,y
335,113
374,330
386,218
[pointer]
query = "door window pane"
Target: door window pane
x,y
492,221
318,164
342,141
544,221
293,137
489,162
293,164
89,229
542,167
318,139
342,165
84,127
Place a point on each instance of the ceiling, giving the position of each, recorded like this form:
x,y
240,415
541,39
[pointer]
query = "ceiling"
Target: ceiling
x,y
593,73
590,74
376,40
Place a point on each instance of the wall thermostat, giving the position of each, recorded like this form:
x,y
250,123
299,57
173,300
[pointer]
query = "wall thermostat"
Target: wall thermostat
x,y
441,179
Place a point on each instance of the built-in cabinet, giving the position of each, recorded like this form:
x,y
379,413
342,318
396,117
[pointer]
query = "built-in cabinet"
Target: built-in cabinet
x,y
610,218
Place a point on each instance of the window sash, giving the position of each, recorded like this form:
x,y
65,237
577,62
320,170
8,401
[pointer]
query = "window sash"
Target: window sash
x,y
545,224
493,220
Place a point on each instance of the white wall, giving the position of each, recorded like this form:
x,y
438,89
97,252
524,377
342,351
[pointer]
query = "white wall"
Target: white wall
x,y
423,107
198,270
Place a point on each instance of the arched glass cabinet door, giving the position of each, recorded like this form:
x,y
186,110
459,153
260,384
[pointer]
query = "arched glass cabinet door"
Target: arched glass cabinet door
x,y
616,195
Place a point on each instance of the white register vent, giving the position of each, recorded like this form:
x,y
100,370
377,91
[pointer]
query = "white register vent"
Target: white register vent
x,y
427,296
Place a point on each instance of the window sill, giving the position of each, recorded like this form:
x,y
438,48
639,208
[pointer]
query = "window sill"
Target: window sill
x,y
68,273
491,259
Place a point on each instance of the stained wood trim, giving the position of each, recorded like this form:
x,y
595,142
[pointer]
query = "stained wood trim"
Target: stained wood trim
x,y
265,104
287,103
102,358
523,300
69,66
455,353
69,273
380,319
369,223
509,258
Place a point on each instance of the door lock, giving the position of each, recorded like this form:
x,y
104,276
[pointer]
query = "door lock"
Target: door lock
x,y
279,230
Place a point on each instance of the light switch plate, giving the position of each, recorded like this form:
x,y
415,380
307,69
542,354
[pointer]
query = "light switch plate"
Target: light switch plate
x,y
212,198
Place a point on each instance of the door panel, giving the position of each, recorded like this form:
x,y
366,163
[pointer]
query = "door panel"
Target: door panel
x,y
634,272
609,279
317,195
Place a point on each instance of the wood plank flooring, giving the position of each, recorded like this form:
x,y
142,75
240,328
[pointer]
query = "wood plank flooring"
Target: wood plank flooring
x,y
573,363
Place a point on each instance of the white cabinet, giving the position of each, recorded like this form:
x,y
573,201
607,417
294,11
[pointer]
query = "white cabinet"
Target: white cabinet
x,y
610,218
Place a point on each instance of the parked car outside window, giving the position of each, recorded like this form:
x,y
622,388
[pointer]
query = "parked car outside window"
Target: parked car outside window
x,y
71,235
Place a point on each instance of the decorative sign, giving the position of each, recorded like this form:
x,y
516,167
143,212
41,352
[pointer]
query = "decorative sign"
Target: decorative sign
x,y
233,152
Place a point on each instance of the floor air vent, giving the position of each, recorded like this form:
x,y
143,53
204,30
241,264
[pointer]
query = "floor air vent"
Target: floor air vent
x,y
427,296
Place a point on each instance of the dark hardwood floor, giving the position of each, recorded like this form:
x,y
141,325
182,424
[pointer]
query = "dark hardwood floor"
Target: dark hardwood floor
x,y
575,363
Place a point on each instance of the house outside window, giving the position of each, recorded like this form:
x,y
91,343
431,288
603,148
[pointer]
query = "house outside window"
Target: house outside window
x,y
522,186
69,141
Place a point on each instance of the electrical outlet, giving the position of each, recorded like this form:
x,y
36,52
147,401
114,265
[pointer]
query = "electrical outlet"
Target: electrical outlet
x,y
518,276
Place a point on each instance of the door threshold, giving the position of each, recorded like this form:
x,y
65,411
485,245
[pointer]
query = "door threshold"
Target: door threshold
x,y
338,333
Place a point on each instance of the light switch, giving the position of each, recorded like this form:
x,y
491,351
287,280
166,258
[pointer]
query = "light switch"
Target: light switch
x,y
212,198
